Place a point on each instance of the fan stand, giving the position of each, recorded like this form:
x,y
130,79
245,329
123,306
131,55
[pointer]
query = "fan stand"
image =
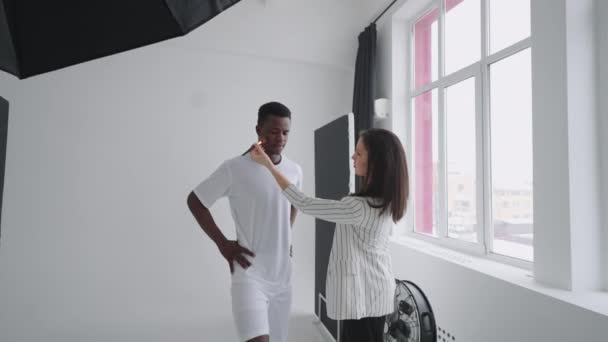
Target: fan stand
x,y
320,299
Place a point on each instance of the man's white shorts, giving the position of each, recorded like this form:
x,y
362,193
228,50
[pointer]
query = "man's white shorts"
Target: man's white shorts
x,y
261,309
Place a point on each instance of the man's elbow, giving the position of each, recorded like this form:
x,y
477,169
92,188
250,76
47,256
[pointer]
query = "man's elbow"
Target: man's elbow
x,y
194,203
192,200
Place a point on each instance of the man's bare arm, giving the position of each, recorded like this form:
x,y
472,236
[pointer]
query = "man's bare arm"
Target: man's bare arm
x,y
293,214
230,249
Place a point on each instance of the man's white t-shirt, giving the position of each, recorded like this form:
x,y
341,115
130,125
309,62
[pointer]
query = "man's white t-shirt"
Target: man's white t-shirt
x,y
260,211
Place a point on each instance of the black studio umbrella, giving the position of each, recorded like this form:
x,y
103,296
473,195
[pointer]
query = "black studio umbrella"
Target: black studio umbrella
x,y
38,36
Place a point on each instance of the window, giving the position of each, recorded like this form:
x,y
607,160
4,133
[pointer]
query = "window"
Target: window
x,y
471,126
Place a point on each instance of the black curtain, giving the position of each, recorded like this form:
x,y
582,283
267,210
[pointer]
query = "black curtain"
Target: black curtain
x,y
365,80
365,84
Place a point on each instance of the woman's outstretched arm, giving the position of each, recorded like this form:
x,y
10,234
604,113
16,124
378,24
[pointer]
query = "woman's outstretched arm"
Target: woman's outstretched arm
x,y
349,210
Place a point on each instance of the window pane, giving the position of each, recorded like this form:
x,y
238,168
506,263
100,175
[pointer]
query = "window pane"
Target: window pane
x,y
426,38
426,159
461,160
509,22
511,155
462,34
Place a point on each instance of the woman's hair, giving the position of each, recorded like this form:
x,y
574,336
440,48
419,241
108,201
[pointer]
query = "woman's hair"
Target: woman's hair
x,y
387,177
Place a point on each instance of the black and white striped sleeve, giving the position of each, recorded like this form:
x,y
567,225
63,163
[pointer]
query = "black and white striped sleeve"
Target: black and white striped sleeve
x,y
349,210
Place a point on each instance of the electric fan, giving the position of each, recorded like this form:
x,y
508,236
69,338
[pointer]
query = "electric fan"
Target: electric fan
x,y
412,320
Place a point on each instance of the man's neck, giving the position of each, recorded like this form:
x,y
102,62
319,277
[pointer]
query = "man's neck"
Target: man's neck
x,y
276,158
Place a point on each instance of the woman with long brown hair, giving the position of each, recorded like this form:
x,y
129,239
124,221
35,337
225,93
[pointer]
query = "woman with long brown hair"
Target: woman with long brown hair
x,y
360,282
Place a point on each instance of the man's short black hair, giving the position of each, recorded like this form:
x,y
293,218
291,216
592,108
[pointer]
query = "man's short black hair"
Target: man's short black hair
x,y
272,108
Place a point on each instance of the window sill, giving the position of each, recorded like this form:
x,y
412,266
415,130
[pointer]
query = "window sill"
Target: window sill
x,y
595,301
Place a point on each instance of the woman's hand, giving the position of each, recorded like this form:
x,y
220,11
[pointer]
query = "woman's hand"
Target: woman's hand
x,y
259,156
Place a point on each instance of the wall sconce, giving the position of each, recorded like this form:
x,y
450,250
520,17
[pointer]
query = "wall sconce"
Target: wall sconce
x,y
382,108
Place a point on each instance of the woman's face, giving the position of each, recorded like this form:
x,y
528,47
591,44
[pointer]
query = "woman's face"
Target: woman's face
x,y
360,159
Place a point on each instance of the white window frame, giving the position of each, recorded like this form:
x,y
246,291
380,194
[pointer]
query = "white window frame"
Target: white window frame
x,y
480,71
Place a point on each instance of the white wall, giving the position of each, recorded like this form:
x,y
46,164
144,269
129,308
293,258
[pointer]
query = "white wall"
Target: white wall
x,y
97,242
550,122
585,186
602,36
566,158
476,307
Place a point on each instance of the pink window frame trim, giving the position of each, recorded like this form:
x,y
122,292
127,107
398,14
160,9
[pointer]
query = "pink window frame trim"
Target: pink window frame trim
x,y
423,111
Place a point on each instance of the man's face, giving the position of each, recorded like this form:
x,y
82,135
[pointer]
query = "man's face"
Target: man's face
x,y
274,133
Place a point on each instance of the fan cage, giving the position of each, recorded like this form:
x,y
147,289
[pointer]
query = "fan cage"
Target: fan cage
x,y
412,319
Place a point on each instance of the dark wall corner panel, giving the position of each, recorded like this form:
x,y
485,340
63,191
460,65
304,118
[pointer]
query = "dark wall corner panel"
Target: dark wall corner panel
x,y
332,181
3,137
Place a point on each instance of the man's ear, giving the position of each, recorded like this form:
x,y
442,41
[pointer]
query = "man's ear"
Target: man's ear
x,y
257,130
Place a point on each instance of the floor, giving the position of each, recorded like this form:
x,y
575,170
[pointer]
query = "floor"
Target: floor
x,y
305,328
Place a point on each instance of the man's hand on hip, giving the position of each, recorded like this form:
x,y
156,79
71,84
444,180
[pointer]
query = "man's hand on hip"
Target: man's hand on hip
x,y
233,252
